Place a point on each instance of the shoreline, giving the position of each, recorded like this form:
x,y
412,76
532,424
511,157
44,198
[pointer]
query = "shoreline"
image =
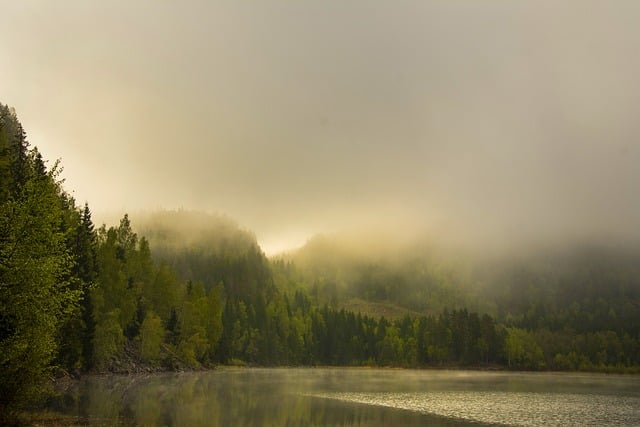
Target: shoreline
x,y
492,369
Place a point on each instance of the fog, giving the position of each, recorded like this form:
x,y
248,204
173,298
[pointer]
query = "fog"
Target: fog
x,y
490,122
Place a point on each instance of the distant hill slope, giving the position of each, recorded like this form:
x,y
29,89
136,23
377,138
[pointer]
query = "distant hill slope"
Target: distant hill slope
x,y
170,229
411,276
207,248
583,287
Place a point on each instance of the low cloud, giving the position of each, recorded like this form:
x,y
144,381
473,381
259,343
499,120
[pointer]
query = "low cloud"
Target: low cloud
x,y
500,121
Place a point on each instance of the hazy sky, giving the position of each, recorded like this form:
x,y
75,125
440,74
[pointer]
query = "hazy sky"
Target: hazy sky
x,y
491,118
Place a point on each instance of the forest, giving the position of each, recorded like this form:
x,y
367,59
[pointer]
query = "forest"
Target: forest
x,y
184,290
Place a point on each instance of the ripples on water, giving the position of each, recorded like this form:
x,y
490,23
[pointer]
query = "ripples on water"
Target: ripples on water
x,y
509,408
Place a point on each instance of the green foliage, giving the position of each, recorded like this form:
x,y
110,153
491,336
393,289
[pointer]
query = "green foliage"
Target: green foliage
x,y
149,304
35,295
125,271
192,318
152,335
114,290
522,350
213,321
208,249
108,339
163,292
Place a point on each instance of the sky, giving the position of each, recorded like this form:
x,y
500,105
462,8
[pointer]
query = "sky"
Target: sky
x,y
489,121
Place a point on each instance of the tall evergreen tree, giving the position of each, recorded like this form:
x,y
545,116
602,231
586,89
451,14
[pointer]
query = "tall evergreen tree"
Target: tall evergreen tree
x,y
35,296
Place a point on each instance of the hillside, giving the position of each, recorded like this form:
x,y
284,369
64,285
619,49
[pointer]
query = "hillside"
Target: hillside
x,y
583,287
416,275
210,249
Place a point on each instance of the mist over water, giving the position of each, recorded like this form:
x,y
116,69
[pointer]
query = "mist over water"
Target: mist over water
x,y
499,123
348,396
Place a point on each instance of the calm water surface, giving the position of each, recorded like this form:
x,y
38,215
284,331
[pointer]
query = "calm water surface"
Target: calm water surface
x,y
355,397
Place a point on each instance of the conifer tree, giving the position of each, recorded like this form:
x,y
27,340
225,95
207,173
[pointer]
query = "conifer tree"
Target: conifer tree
x,y
35,296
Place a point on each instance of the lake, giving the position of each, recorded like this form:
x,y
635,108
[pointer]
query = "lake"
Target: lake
x,y
354,397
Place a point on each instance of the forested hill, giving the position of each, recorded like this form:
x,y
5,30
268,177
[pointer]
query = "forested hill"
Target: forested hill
x,y
379,267
584,287
206,248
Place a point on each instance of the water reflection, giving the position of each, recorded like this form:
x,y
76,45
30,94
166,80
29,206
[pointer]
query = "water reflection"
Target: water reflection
x,y
223,398
353,397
